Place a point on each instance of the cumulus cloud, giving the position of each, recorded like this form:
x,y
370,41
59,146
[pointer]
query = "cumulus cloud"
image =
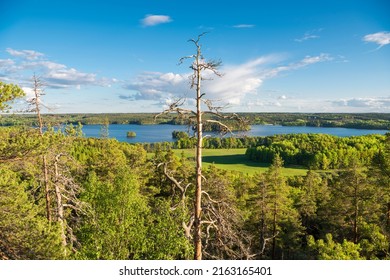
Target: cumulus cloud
x,y
29,92
152,20
54,74
69,77
236,82
157,86
379,38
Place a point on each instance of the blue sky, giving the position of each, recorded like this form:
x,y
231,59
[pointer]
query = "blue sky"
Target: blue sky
x,y
122,56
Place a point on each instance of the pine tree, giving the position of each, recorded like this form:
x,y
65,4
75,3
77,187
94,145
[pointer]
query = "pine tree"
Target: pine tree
x,y
8,93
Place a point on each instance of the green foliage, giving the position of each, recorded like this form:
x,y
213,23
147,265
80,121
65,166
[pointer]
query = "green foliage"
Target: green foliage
x,y
374,244
317,151
124,223
179,135
275,219
18,143
131,134
24,233
329,249
74,130
355,199
117,229
9,92
165,238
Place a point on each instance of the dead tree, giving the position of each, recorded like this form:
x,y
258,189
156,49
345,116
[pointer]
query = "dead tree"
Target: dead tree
x,y
196,117
67,193
35,104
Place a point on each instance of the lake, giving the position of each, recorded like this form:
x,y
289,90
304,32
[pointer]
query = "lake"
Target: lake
x,y
163,132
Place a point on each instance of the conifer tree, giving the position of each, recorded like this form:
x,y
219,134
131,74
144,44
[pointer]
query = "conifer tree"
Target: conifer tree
x,y
8,93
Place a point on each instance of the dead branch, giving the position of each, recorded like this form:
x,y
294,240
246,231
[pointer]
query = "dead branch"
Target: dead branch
x,y
208,196
188,228
226,129
265,241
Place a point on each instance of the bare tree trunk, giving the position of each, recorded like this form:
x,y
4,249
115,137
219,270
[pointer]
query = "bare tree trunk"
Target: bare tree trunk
x,y
262,222
60,206
274,234
198,191
36,101
47,189
356,213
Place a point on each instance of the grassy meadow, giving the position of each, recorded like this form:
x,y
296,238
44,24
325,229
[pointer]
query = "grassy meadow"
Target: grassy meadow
x,y
235,159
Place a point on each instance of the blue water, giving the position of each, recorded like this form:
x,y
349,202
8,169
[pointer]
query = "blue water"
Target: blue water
x,y
163,132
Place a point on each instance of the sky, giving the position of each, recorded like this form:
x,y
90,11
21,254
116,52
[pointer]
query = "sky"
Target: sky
x,y
123,56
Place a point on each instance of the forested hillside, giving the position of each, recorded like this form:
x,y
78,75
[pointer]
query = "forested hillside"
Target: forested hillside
x,y
348,120
103,199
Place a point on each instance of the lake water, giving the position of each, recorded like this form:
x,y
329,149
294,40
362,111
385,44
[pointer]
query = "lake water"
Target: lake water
x,y
163,132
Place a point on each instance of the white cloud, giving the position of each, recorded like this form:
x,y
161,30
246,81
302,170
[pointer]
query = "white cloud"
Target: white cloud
x,y
69,77
315,59
8,67
308,60
244,26
236,82
380,38
55,75
152,20
6,62
28,91
370,103
157,86
303,104
28,54
309,35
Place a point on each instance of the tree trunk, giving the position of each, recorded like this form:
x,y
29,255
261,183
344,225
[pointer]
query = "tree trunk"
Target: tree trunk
x,y
198,191
274,221
274,233
356,211
47,190
60,206
37,92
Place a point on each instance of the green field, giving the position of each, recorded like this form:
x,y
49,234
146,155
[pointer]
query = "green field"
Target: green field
x,y
235,159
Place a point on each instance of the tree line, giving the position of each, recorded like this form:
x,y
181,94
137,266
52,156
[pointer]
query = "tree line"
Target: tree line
x,y
318,151
347,120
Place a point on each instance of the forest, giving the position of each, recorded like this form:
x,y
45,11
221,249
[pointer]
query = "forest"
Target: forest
x,y
103,199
